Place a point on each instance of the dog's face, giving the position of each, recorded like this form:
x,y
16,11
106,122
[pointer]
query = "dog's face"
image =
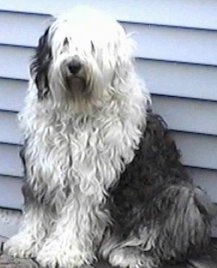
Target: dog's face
x,y
81,54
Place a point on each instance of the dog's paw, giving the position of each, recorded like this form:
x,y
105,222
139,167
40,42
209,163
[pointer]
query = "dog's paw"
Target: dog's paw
x,y
20,246
56,255
131,258
60,259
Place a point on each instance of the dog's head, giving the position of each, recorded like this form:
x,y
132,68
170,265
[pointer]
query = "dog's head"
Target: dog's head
x,y
83,53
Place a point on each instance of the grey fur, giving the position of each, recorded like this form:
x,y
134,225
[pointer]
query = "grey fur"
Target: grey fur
x,y
159,215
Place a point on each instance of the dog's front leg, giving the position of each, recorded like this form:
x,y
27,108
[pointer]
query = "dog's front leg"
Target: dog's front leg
x,y
33,231
74,238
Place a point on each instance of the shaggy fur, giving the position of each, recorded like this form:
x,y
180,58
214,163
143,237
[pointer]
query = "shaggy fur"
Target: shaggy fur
x,y
158,214
102,176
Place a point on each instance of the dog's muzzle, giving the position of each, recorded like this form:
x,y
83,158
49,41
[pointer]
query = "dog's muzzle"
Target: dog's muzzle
x,y
75,74
74,66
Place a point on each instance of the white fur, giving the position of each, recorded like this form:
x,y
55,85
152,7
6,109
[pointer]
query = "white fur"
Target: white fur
x,y
79,144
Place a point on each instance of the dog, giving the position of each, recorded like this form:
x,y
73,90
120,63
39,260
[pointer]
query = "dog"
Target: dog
x,y
103,178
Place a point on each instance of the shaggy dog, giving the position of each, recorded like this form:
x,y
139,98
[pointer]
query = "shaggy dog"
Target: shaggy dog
x,y
102,176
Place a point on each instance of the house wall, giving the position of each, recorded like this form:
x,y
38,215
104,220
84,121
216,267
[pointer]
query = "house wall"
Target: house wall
x,y
176,56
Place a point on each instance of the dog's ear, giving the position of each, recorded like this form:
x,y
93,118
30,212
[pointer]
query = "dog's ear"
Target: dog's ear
x,y
40,65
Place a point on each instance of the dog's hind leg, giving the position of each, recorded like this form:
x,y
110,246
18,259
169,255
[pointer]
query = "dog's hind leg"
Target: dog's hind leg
x,y
184,228
132,257
175,226
128,253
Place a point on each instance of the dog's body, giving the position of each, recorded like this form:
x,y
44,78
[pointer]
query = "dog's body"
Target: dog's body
x,y
103,178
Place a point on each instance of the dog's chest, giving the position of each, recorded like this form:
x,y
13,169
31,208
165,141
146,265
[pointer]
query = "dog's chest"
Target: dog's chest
x,y
88,157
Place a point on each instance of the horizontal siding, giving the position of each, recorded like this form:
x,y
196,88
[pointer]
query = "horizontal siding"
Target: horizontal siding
x,y
12,94
10,163
10,192
10,221
9,128
187,115
32,28
197,150
178,79
170,44
14,61
183,13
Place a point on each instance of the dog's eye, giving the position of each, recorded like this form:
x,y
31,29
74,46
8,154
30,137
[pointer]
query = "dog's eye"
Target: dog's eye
x,y
66,42
92,48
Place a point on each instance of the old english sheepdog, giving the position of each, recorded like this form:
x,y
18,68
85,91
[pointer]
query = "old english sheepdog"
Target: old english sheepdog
x,y
103,178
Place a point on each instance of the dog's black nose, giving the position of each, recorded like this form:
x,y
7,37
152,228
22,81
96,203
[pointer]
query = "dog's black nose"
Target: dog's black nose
x,y
74,66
